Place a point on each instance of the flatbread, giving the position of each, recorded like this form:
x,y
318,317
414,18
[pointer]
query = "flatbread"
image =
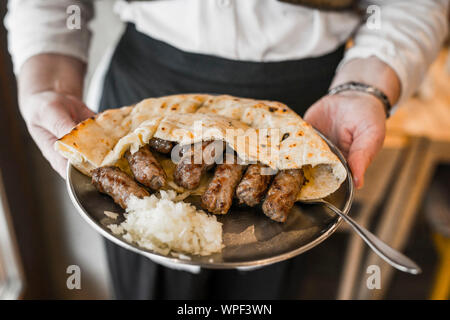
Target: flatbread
x,y
264,131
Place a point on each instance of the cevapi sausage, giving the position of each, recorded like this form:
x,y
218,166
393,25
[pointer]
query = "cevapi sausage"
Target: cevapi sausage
x,y
160,145
188,171
253,186
282,194
117,184
218,196
146,168
194,162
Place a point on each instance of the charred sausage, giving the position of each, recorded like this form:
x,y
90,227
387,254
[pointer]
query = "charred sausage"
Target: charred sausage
x,y
218,196
193,164
282,194
146,169
117,184
253,186
160,145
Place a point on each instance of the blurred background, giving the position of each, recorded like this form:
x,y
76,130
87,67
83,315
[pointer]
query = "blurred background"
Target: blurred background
x,y
405,201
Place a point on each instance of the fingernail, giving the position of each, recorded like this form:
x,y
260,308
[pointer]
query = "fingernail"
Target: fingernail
x,y
358,183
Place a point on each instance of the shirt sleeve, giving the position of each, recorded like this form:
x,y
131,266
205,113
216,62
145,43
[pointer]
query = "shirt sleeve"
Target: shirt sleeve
x,y
48,26
406,35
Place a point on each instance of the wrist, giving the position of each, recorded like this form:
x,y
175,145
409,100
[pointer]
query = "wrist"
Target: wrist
x,y
51,73
370,102
373,72
363,88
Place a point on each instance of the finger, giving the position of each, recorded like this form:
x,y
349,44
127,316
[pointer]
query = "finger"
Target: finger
x,y
317,116
358,163
45,142
56,120
60,115
312,116
362,151
80,111
84,113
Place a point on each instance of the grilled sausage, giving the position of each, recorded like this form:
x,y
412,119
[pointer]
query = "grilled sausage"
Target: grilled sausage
x,y
218,196
160,145
253,185
282,194
146,168
188,173
117,184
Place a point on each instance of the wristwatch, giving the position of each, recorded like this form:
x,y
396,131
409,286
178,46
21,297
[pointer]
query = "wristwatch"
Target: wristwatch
x,y
362,87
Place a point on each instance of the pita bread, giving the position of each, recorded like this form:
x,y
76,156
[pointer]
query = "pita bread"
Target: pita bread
x,y
265,131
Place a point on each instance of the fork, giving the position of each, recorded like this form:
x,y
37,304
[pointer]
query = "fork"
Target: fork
x,y
390,255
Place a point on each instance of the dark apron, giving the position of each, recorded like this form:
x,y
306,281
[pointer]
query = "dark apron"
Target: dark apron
x,y
142,67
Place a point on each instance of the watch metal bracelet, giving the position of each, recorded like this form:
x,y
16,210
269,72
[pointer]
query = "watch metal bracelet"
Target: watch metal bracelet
x,y
362,87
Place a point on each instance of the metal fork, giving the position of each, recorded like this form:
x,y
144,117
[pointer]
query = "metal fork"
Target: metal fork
x,y
390,255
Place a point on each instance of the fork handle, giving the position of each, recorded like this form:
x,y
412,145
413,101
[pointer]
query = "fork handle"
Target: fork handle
x,y
395,258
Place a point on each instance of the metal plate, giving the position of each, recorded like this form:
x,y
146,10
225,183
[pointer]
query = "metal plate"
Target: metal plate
x,y
250,237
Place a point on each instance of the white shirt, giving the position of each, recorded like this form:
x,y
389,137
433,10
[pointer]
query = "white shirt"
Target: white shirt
x,y
407,36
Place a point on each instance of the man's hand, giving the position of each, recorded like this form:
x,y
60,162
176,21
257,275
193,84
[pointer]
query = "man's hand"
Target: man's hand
x,y
50,91
50,115
355,122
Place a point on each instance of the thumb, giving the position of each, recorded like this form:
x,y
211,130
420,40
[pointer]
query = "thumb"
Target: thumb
x,y
319,117
84,112
80,110
58,123
362,151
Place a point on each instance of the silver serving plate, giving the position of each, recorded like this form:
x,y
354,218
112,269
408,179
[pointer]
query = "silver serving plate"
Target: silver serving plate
x,y
251,239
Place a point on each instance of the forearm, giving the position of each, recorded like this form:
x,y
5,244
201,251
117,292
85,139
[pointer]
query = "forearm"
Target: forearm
x,y
371,71
51,72
407,38
40,26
